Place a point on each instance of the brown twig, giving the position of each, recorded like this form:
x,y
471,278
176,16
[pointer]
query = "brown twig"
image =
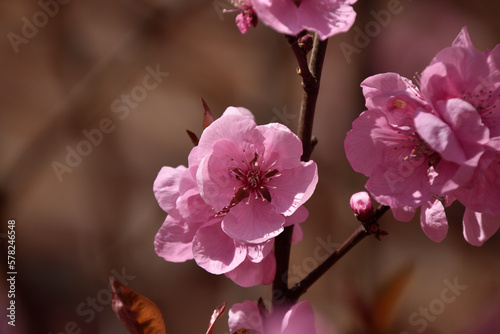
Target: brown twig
x,y
311,75
367,228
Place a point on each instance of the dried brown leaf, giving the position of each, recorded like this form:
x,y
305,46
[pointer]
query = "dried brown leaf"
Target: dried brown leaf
x,y
137,313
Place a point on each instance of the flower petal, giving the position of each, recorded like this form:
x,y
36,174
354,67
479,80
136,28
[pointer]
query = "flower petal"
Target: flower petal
x,y
433,220
277,136
494,64
166,187
249,273
439,136
299,216
298,234
463,39
399,182
173,242
215,252
233,127
245,315
193,208
324,17
403,214
294,187
452,72
484,195
254,222
381,84
479,227
327,18
216,183
465,121
299,319
257,252
369,136
240,111
279,15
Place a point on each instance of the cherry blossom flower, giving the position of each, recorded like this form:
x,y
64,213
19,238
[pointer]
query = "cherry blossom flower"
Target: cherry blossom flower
x,y
252,176
463,85
327,17
384,145
298,319
194,229
428,145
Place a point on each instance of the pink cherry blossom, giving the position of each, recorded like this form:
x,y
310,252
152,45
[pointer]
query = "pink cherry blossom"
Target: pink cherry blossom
x,y
326,17
298,319
463,86
436,141
384,145
252,176
193,229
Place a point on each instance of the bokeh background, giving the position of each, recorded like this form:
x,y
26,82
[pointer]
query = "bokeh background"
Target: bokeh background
x,y
101,218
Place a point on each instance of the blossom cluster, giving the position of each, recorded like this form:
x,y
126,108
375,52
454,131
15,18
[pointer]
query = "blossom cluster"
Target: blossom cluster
x,y
436,141
244,183
291,17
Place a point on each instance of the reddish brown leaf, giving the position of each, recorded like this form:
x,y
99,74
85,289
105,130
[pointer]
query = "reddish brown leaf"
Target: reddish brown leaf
x,y
193,137
208,118
136,312
218,312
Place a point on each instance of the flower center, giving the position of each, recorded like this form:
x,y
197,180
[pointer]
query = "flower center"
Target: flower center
x,y
297,2
400,104
254,180
420,150
412,88
423,151
484,100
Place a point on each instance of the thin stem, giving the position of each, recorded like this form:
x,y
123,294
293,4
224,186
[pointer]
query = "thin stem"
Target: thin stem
x,y
282,246
301,57
311,89
301,287
311,75
362,232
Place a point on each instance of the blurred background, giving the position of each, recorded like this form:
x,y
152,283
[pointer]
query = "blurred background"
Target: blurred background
x,y
73,68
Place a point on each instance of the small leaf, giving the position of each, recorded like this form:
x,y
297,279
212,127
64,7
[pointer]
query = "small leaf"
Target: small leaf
x,y
218,312
208,118
193,137
136,312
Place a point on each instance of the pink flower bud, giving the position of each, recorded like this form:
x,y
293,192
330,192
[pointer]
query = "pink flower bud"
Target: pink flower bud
x,y
362,206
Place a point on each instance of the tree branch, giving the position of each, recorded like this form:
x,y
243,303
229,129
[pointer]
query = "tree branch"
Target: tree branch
x,y
311,75
367,228
311,86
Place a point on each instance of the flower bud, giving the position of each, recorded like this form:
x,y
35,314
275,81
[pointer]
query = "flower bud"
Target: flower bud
x,y
306,43
362,206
